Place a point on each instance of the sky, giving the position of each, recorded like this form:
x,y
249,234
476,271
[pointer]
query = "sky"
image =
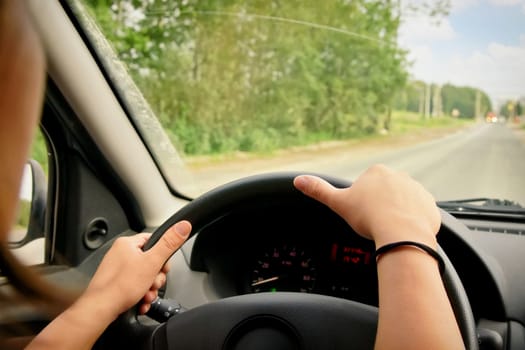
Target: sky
x,y
480,44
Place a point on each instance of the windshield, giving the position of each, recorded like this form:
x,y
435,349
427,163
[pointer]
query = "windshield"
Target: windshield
x,y
433,88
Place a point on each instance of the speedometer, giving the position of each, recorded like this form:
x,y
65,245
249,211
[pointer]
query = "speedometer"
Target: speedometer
x,y
283,268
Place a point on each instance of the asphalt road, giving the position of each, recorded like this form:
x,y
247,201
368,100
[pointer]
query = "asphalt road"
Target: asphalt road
x,y
486,160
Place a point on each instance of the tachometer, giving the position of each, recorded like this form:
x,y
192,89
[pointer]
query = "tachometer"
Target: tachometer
x,y
283,268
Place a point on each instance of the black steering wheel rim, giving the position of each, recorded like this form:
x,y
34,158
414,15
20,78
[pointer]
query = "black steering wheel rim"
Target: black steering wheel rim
x,y
223,199
240,317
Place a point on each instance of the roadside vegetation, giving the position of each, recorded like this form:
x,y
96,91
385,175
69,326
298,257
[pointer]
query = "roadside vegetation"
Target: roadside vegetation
x,y
225,77
411,122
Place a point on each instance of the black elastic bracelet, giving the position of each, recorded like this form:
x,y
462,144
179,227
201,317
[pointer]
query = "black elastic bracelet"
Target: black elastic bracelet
x,y
430,251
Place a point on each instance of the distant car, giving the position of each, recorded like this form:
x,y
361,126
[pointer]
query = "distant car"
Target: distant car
x,y
491,117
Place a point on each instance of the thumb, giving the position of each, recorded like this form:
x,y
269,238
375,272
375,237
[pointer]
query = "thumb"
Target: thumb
x,y
316,188
170,241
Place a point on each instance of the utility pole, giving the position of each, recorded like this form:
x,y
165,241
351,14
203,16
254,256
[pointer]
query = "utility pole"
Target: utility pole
x,y
427,100
437,104
421,102
478,105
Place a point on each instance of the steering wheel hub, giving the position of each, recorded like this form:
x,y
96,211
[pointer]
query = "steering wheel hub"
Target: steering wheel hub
x,y
262,332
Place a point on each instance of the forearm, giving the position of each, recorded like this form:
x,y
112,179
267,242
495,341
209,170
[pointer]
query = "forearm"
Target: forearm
x,y
415,312
78,327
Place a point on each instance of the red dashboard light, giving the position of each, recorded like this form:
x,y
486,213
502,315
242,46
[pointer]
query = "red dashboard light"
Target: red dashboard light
x,y
349,255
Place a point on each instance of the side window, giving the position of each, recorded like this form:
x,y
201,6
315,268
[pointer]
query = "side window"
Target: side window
x,y
26,238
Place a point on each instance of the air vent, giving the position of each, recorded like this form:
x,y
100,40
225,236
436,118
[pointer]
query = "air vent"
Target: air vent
x,y
95,234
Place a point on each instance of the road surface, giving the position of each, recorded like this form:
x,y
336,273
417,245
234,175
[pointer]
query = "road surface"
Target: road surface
x,y
485,160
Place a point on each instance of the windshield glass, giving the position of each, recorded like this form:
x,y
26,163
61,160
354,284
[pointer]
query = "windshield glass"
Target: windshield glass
x,y
433,88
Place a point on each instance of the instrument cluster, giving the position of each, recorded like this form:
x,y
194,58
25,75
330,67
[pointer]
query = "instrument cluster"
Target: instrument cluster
x,y
287,251
341,267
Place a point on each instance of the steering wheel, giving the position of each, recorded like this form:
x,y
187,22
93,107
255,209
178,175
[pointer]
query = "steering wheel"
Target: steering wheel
x,y
282,320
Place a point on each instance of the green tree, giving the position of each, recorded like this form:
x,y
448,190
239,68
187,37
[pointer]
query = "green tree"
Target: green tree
x,y
466,100
511,108
224,75
519,109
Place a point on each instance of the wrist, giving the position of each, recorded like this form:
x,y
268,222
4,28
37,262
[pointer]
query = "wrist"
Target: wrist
x,y
407,229
388,248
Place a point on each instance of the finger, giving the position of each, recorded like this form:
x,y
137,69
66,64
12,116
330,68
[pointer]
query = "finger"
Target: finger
x,y
149,297
159,281
170,241
316,188
144,308
165,268
140,239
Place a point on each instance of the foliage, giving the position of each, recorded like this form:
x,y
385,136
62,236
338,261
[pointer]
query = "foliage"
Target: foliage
x,y
225,76
433,9
411,122
411,97
511,109
463,99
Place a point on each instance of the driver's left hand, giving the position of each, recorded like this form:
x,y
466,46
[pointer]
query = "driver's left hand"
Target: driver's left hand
x,y
127,274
